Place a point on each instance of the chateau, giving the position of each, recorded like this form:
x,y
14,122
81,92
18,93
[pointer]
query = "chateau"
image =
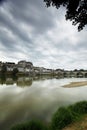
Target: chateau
x,y
25,67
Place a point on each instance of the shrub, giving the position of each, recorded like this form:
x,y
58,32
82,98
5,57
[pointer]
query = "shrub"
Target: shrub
x,y
32,125
65,116
61,118
80,107
15,71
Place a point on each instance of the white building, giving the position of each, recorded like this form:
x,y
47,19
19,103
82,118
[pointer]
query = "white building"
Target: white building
x,y
25,67
10,66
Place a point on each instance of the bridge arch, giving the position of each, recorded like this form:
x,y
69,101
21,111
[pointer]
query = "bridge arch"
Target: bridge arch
x,y
86,75
79,75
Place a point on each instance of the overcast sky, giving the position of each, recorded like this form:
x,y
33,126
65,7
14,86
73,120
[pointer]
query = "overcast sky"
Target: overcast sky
x,y
30,31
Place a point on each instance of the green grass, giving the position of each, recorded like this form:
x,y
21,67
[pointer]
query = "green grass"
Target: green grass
x,y
32,125
61,118
79,107
67,115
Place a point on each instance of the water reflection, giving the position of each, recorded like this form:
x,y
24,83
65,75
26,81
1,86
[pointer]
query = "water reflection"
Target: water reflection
x,y
22,81
40,101
2,79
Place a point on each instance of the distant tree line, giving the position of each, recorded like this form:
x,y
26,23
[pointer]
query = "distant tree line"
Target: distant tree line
x,y
4,70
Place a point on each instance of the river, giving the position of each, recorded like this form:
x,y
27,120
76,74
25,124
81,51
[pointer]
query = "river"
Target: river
x,y
25,98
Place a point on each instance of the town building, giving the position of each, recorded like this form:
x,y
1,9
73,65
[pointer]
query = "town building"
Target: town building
x,y
10,66
25,67
1,65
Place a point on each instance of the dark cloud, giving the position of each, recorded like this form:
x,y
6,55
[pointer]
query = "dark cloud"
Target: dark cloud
x,y
13,27
32,13
2,1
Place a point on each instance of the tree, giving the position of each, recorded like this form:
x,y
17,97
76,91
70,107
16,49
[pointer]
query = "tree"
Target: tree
x,y
3,69
76,10
15,71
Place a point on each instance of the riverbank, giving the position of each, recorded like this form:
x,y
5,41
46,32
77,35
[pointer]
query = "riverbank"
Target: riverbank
x,y
65,118
79,125
75,84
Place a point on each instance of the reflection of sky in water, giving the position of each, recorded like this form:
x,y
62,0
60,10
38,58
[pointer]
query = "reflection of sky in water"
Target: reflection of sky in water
x,y
39,100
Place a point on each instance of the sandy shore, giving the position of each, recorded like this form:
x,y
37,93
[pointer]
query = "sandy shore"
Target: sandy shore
x,y
75,84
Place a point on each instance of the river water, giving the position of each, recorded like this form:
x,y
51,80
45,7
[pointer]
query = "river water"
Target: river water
x,y
26,98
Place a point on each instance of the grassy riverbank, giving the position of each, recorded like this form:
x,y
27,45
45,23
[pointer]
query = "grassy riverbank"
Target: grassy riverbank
x,y
63,117
76,84
79,125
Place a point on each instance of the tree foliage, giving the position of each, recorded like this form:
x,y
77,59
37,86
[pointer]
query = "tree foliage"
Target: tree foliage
x,y
15,71
76,10
3,69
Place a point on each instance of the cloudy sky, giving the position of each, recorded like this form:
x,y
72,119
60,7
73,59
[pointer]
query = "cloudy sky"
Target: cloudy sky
x,y
30,31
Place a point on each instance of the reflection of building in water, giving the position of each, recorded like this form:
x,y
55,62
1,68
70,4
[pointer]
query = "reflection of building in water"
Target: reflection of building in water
x,y
24,81
42,77
9,81
2,79
20,81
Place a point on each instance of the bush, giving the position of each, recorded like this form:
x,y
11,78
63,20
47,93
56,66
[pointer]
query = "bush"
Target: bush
x,y
15,71
65,116
61,118
32,125
80,107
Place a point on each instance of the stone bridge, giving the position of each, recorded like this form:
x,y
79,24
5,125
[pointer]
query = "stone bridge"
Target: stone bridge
x,y
77,74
